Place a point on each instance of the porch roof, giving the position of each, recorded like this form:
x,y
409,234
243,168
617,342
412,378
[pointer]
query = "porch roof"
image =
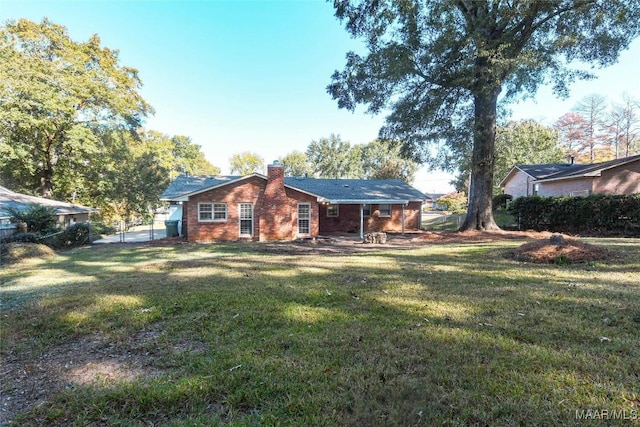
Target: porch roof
x,y
357,191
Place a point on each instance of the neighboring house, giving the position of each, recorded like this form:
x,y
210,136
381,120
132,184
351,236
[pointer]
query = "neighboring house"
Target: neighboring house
x,y
272,207
68,213
431,202
620,176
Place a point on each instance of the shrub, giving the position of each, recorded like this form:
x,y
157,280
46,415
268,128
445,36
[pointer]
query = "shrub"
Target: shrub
x,y
615,213
454,202
73,236
500,201
38,218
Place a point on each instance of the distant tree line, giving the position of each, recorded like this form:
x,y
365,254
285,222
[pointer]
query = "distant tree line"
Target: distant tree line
x,y
331,157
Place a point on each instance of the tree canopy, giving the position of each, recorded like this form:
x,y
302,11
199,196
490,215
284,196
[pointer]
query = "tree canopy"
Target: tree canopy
x,y
57,96
70,125
525,142
441,68
246,163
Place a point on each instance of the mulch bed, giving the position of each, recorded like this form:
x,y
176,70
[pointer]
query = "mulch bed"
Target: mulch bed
x,y
570,251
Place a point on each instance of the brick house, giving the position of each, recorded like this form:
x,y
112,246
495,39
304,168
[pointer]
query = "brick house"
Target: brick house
x,y
275,207
619,176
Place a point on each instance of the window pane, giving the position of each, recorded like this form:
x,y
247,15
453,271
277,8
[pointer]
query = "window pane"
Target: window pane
x,y
304,215
205,211
385,210
366,210
246,219
332,210
220,211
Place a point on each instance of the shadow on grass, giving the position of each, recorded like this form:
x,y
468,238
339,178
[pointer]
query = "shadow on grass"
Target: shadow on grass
x,y
226,334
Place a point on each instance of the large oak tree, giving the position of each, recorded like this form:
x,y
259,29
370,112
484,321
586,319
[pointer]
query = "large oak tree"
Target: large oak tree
x,y
440,65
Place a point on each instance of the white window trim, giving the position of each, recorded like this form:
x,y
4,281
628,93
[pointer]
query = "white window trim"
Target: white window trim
x,y
308,218
380,214
226,212
200,219
211,205
240,219
337,211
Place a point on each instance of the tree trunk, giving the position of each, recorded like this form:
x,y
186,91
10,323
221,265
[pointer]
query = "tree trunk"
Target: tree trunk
x,y
479,211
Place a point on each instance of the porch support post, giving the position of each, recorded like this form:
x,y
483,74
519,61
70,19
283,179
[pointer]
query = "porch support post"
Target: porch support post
x,y
361,221
403,219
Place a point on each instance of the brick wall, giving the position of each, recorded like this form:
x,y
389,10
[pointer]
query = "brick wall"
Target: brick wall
x,y
518,185
276,208
275,211
348,219
565,187
621,180
250,190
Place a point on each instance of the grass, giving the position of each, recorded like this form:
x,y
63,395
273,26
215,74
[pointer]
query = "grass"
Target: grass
x,y
230,334
441,221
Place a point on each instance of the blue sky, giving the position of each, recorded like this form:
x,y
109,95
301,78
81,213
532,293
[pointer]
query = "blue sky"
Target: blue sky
x,y
240,76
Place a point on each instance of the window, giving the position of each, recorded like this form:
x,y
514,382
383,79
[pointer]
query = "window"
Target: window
x,y
332,210
219,211
212,212
205,211
385,210
366,210
304,218
246,219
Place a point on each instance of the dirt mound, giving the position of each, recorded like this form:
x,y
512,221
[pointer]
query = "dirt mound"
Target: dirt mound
x,y
569,251
16,251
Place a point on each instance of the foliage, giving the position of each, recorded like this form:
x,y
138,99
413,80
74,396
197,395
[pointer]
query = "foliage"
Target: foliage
x,y
384,160
454,202
246,163
235,334
524,142
334,158
500,201
440,66
617,213
296,164
58,96
38,218
70,125
79,234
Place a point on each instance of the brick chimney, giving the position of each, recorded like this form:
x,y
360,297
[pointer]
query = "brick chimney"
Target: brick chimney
x,y
275,218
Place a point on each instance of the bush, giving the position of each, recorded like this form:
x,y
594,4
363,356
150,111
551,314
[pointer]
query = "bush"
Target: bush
x,y
38,218
500,201
595,213
73,236
454,202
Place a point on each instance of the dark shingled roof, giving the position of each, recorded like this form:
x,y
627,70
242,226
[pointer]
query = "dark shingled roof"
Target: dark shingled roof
x,y
333,190
567,171
184,185
357,190
18,201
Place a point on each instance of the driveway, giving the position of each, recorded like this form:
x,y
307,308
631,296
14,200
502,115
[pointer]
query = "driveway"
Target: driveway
x,y
141,233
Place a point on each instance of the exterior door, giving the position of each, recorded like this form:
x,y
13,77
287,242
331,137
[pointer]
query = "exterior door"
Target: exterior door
x,y
246,220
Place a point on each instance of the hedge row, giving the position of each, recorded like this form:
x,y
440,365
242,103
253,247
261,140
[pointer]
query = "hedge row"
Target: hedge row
x,y
597,213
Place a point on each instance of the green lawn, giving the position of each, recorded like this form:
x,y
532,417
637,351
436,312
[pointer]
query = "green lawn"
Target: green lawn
x,y
234,334
441,221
